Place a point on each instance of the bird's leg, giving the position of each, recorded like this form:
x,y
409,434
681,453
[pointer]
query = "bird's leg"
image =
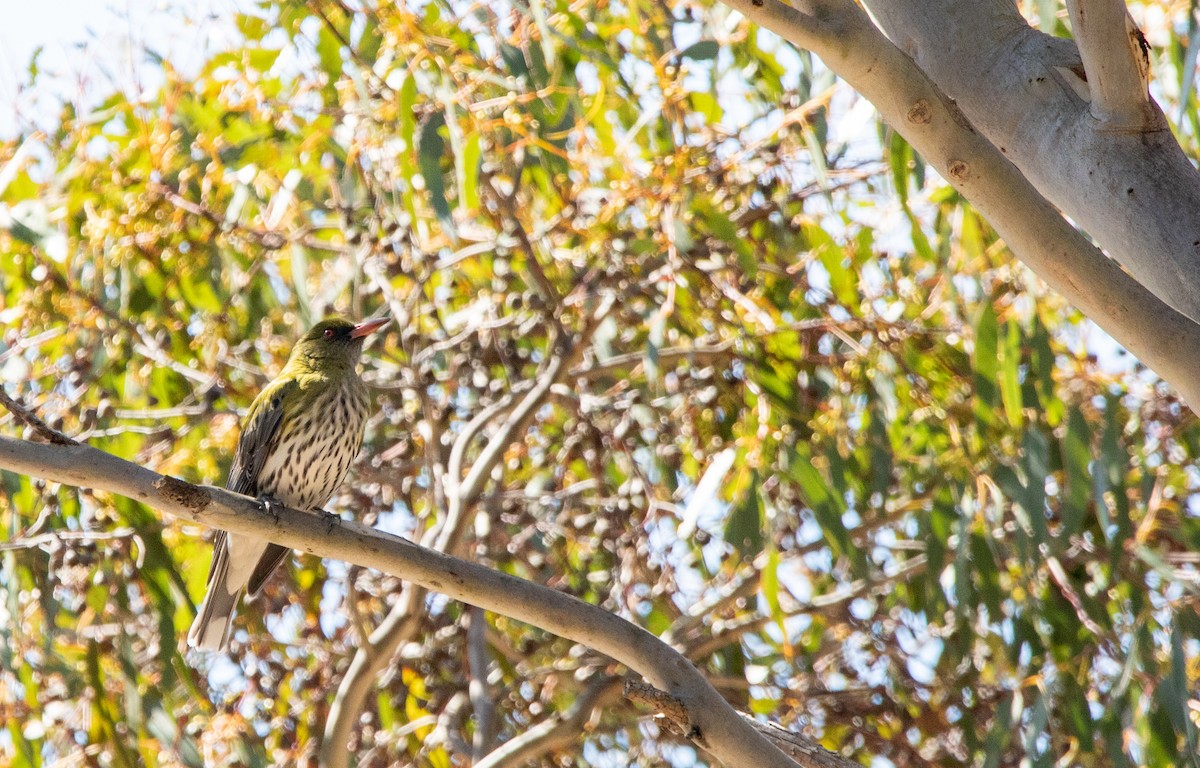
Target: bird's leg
x,y
270,505
331,519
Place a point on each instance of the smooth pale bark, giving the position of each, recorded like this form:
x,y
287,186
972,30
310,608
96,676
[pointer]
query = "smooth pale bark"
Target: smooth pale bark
x,y
1130,188
1116,61
852,46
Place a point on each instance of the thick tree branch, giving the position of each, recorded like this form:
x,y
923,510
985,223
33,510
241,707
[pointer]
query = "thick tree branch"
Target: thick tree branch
x,y
850,44
1136,193
1116,61
716,726
673,713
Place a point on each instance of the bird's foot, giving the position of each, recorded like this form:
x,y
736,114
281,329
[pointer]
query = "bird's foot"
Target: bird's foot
x,y
271,506
332,519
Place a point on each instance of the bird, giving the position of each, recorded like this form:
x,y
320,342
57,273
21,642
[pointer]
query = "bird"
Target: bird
x,y
297,442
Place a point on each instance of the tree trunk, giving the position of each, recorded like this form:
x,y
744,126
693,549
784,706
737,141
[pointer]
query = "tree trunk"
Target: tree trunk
x,y
1009,118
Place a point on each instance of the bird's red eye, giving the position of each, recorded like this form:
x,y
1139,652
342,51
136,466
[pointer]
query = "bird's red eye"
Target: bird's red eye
x,y
329,333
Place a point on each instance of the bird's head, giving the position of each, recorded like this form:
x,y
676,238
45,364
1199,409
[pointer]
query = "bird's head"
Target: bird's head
x,y
333,344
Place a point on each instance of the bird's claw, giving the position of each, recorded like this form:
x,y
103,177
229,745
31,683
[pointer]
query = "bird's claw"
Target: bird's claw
x,y
332,519
271,507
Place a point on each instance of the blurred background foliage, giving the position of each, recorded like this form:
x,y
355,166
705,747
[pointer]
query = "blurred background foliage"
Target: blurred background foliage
x,y
785,400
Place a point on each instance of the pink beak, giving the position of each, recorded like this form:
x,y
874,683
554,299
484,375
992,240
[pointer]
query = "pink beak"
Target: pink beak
x,y
369,327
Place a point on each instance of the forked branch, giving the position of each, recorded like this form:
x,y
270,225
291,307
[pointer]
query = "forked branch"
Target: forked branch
x,y
841,33
1116,60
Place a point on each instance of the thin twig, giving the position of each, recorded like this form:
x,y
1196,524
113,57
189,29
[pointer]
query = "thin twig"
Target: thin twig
x,y
31,420
477,689
58,537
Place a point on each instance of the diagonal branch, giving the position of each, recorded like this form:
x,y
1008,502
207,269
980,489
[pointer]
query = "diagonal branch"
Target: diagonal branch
x,y
31,420
673,713
1134,192
715,725
1116,60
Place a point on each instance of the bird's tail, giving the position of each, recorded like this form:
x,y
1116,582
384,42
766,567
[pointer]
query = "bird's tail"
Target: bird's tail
x,y
214,620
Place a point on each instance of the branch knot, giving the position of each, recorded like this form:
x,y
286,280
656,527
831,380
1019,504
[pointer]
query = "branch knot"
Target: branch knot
x,y
920,112
182,493
669,709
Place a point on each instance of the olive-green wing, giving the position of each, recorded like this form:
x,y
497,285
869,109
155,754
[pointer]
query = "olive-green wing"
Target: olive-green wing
x,y
258,437
256,441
